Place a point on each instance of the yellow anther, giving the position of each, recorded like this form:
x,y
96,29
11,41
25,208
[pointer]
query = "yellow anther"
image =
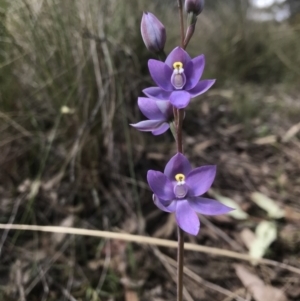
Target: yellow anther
x,y
180,177
177,65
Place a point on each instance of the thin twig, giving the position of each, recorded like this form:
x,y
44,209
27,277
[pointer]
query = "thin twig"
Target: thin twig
x,y
44,283
150,241
19,280
106,261
86,125
42,273
71,266
171,270
11,220
235,246
201,281
14,124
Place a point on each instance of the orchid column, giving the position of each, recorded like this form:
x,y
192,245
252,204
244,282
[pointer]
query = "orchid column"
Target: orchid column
x,y
179,188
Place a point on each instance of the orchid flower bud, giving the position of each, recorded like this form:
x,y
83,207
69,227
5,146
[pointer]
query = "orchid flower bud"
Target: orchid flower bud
x,y
153,33
193,9
194,6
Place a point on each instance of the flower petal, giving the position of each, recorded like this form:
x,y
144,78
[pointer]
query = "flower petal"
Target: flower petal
x,y
208,206
180,99
202,87
148,125
161,129
177,164
161,74
193,71
200,179
150,109
186,218
157,93
177,55
171,207
160,185
166,108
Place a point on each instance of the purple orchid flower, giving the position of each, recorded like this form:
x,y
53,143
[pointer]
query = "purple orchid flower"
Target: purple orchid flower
x,y
179,188
178,78
159,112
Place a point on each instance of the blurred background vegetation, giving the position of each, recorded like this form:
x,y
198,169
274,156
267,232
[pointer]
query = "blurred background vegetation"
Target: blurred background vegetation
x,y
70,75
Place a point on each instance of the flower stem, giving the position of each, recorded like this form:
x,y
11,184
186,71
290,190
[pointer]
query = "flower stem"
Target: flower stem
x,y
178,116
180,8
180,264
162,56
180,255
180,113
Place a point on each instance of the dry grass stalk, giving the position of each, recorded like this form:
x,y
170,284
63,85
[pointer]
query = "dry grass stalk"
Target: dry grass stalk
x,y
150,241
